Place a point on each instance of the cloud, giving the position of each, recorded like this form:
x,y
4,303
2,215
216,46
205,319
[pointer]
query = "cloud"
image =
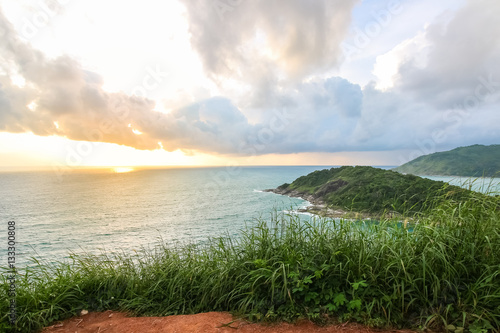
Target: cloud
x,y
261,48
61,98
441,87
457,53
60,90
248,40
320,114
387,65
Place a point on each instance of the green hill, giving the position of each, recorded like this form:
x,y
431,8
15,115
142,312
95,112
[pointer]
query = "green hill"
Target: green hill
x,y
370,190
471,161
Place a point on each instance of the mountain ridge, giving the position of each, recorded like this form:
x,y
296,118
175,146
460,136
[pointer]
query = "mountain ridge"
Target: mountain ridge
x,y
468,161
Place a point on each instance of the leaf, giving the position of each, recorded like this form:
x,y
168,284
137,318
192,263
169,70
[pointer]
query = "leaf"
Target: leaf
x,y
451,328
331,307
357,285
311,296
325,267
328,294
387,298
355,304
481,326
260,263
339,299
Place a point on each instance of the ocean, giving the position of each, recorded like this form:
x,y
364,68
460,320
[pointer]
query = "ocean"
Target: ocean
x,y
120,209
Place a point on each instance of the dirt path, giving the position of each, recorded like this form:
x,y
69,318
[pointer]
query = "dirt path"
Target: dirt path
x,y
216,322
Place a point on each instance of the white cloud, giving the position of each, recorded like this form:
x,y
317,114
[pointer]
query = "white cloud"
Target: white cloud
x,y
246,40
461,50
387,65
268,62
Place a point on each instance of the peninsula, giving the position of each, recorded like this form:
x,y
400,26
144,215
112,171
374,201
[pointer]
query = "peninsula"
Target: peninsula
x,y
363,191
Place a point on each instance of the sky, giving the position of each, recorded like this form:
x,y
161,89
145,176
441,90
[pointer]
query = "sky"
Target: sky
x,y
240,82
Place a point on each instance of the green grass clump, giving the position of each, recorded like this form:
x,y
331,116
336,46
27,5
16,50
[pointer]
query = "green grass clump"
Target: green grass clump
x,y
442,271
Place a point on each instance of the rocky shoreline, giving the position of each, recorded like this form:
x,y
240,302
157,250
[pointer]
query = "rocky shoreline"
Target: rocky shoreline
x,y
318,206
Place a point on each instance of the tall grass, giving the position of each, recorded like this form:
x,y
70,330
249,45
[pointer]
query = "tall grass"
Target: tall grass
x,y
438,271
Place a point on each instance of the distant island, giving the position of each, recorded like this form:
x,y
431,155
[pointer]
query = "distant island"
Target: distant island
x,y
364,191
471,161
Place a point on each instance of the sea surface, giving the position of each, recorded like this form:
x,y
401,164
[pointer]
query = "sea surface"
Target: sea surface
x,y
121,209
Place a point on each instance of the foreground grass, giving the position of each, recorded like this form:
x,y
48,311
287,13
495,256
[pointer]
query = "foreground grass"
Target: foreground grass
x,y
441,272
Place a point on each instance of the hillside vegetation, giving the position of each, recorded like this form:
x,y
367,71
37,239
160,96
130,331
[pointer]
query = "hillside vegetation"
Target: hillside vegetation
x,y
440,273
471,161
373,190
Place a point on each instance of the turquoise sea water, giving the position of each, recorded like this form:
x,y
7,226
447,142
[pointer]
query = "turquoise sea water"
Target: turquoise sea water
x,y
89,210
484,185
100,209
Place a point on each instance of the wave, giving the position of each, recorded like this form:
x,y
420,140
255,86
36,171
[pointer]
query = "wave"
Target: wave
x,y
298,212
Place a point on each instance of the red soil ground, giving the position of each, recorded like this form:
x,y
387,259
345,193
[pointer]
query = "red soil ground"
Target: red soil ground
x,y
216,322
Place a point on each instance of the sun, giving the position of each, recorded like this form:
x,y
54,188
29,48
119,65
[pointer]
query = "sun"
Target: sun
x,y
122,170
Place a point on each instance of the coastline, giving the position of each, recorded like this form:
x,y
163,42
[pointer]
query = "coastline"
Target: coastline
x,y
319,207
